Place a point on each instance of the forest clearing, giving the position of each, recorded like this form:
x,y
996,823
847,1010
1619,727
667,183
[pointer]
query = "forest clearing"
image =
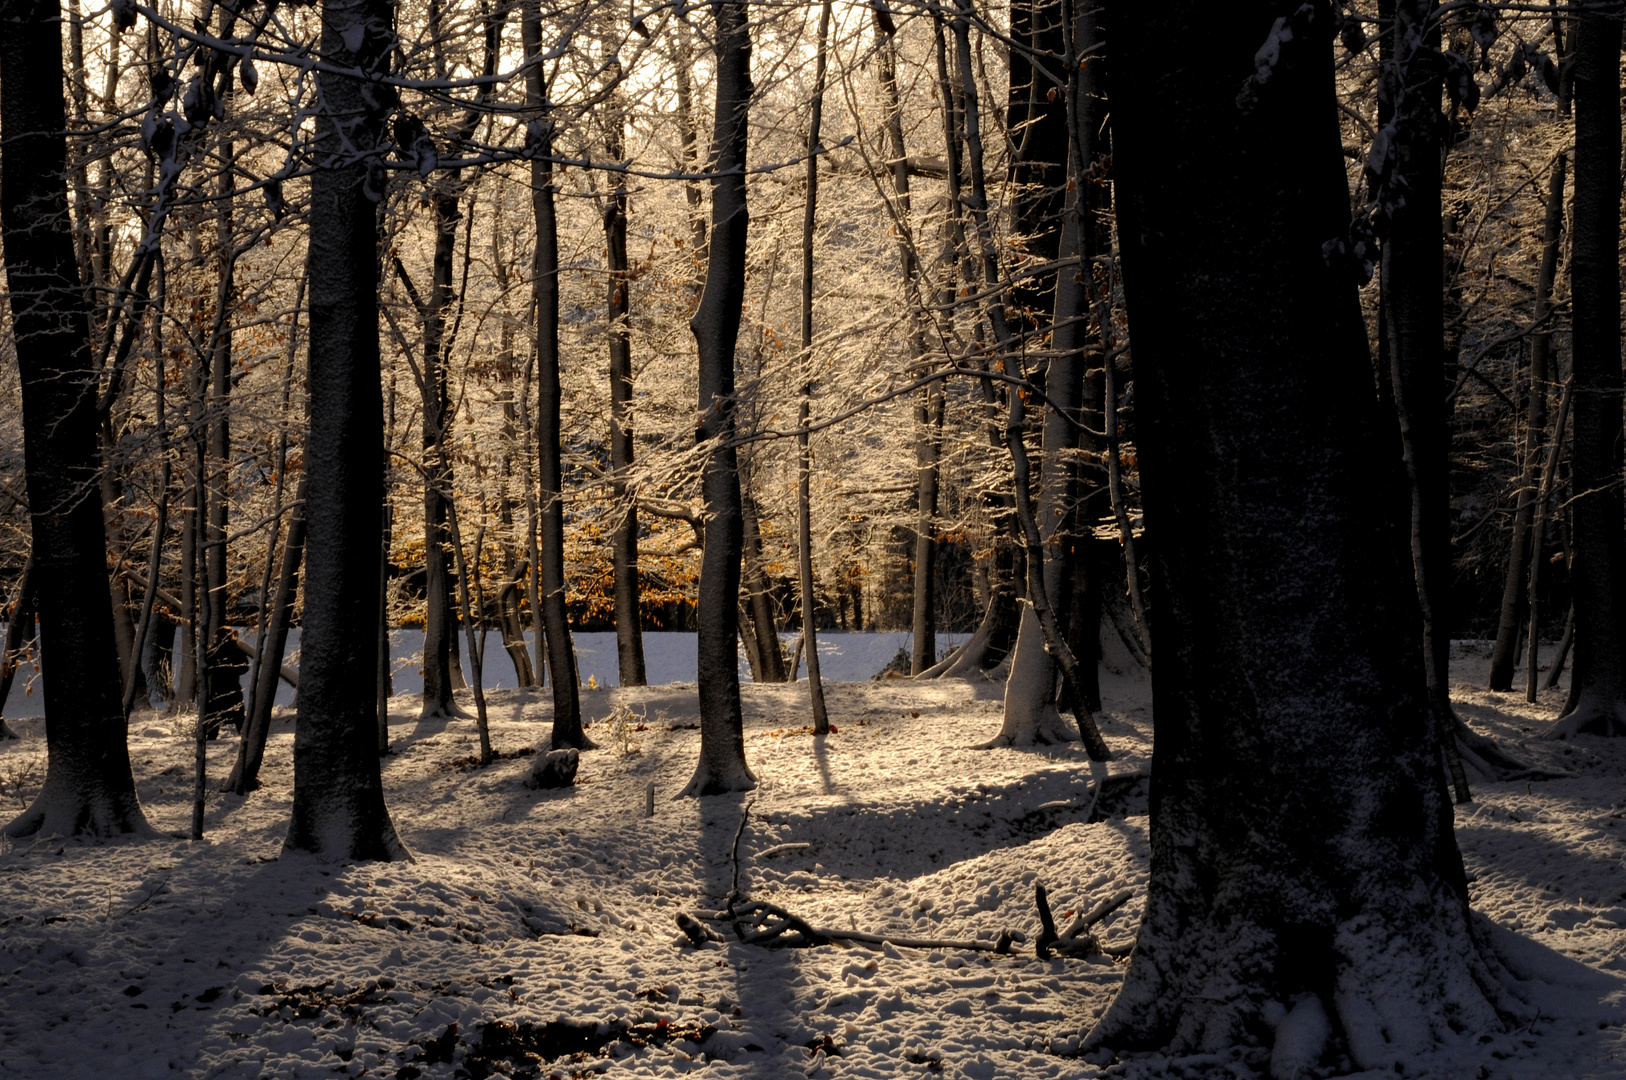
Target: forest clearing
x,y
230,958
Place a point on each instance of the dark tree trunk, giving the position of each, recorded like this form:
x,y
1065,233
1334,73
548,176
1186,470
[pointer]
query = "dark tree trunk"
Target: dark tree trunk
x,y
809,643
88,789
1514,602
567,719
1301,837
338,810
1036,120
629,632
19,624
245,774
515,569
1597,700
764,630
716,327
439,635
1413,299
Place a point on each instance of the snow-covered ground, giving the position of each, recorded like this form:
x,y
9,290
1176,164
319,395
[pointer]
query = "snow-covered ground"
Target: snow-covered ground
x,y
669,656
534,933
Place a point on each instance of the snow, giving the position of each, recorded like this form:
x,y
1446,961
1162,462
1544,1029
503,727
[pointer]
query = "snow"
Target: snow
x,y
669,657
523,908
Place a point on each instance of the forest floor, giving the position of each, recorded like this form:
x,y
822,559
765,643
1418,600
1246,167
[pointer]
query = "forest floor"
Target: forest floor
x,y
534,933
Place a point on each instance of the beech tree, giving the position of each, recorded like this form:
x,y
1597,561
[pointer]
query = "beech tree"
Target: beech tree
x,y
716,327
1597,698
89,789
338,810
1302,846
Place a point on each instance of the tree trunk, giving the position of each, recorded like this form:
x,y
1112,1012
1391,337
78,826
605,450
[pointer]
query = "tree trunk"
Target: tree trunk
x,y
1033,540
1597,699
439,635
245,774
804,405
1514,602
88,789
515,569
567,720
1413,299
1036,122
19,624
1301,837
764,629
339,810
629,632
716,327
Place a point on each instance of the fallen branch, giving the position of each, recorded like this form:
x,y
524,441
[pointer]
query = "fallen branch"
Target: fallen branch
x,y
782,849
1076,940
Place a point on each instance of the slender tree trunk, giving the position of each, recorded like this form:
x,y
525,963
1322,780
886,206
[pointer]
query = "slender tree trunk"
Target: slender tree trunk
x,y
629,633
88,789
515,569
470,615
338,805
1022,481
1597,699
1293,716
716,325
567,720
1413,298
1514,601
804,452
19,624
438,631
245,774
764,630
688,133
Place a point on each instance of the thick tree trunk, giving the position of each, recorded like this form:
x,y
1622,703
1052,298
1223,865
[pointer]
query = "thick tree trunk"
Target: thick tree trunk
x,y
245,774
1301,838
1036,122
567,720
716,327
338,810
88,789
1597,700
1504,658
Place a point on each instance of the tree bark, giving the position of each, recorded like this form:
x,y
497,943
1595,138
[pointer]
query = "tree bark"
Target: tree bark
x,y
338,804
567,720
1413,298
764,630
1597,699
629,632
1301,836
716,327
88,789
245,774
809,643
19,625
1504,658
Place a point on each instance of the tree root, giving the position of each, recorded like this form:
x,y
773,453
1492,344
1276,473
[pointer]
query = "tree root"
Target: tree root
x,y
758,922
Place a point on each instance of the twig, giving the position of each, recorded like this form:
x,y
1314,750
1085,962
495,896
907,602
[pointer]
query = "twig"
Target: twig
x,y
148,898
